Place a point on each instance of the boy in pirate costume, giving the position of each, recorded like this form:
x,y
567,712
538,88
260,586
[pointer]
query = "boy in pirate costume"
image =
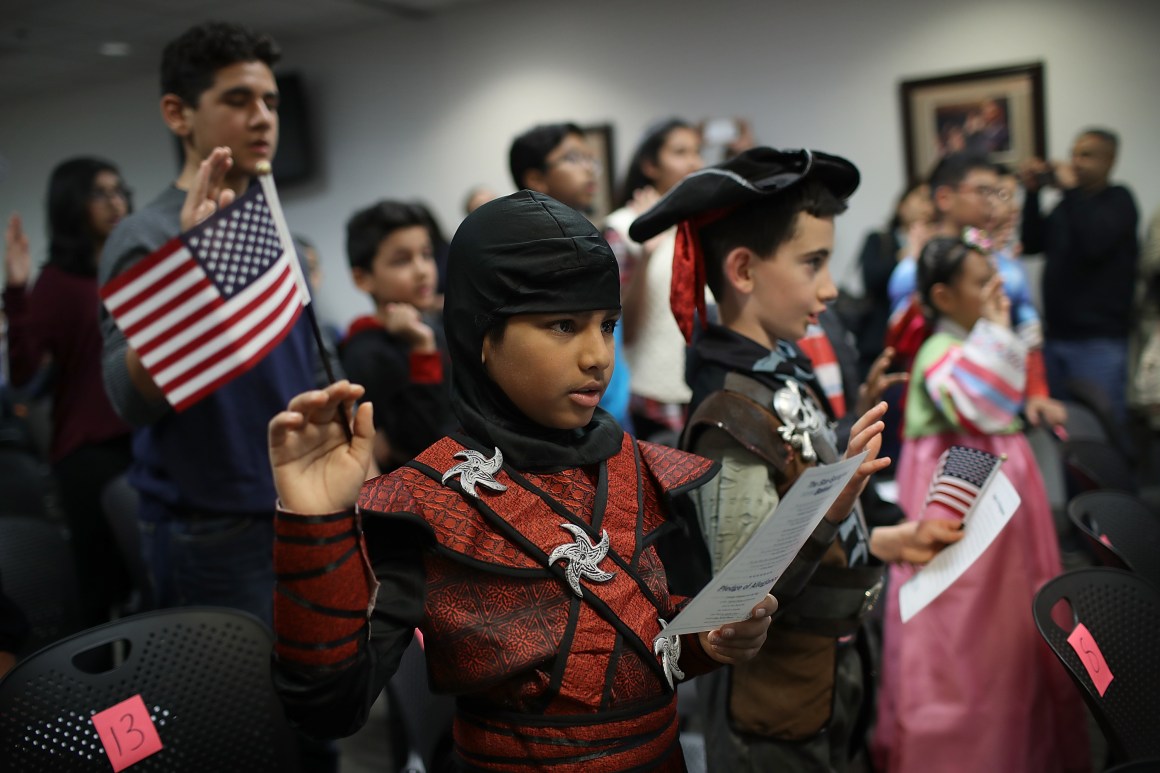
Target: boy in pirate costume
x,y
759,230
521,547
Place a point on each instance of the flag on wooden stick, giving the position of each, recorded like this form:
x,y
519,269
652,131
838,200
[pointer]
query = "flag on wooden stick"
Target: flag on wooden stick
x,y
212,302
960,476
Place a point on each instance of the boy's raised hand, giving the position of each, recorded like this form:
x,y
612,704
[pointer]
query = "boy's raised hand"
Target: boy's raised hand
x,y
738,642
209,191
994,303
405,321
316,471
878,381
865,435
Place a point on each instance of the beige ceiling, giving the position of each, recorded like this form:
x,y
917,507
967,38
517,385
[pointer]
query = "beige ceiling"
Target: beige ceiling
x,y
48,45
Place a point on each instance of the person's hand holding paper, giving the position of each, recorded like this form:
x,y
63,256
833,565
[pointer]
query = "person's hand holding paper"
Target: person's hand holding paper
x,y
738,642
751,573
968,483
914,542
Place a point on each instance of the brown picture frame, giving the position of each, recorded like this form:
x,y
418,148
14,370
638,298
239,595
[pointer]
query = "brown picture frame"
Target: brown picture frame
x,y
601,137
997,112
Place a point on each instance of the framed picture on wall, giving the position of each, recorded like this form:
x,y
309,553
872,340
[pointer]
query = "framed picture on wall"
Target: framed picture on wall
x,y
600,137
998,113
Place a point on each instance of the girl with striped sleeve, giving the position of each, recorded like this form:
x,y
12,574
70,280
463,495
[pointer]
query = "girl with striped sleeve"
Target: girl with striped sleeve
x,y
980,691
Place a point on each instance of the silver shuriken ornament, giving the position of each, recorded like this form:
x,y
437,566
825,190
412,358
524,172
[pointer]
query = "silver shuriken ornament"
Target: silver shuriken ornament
x,y
668,649
582,557
799,419
477,469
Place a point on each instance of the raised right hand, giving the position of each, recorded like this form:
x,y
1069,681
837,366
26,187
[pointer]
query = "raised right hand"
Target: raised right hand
x,y
917,235
865,435
209,191
995,305
878,381
316,471
17,258
643,199
404,320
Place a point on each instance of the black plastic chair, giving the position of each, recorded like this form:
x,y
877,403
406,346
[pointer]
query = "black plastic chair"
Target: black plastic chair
x,y
1095,464
203,673
1139,766
39,577
1095,401
26,484
1122,612
1131,529
1083,423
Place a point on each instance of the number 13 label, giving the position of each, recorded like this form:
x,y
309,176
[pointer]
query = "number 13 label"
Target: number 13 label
x,y
127,733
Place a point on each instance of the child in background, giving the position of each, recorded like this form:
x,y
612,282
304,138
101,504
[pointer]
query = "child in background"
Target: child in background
x,y
557,160
759,230
521,547
994,229
980,691
394,353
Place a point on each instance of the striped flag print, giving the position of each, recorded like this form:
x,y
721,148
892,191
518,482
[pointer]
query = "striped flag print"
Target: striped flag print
x,y
960,476
212,302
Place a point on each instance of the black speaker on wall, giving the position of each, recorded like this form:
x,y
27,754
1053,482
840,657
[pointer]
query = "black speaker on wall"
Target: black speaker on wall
x,y
295,160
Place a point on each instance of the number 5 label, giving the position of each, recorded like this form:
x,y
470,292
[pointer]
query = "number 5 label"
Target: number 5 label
x,y
127,733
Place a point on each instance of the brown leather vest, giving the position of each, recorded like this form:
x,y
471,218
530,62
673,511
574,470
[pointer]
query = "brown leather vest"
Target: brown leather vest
x,y
786,692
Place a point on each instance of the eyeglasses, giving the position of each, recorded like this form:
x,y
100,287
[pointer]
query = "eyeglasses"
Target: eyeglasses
x,y
109,194
987,192
579,158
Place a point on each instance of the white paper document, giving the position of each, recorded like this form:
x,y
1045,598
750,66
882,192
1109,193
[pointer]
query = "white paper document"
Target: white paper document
x,y
729,597
991,512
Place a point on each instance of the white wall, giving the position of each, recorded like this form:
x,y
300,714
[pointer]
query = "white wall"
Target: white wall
x,y
426,109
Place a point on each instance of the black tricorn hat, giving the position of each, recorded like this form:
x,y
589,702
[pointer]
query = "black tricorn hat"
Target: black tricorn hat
x,y
747,176
710,194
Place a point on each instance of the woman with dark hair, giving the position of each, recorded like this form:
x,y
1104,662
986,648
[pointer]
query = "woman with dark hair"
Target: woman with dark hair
x,y
654,347
55,322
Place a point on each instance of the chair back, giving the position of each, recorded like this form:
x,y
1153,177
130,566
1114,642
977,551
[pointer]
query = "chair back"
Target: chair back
x,y
202,672
1139,766
26,484
1122,531
1095,464
1122,613
1083,423
1094,400
39,577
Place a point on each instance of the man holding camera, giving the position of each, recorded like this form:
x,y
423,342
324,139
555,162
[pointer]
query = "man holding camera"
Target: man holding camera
x,y
1091,247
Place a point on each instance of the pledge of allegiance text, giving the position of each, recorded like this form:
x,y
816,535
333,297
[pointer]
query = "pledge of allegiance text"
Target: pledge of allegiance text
x,y
751,573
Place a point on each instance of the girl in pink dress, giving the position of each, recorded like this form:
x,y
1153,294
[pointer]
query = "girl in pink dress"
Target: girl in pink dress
x,y
967,683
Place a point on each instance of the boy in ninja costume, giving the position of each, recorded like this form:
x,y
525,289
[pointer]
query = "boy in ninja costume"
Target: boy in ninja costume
x,y
521,546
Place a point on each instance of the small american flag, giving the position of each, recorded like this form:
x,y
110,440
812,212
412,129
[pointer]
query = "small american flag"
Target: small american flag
x,y
212,302
960,476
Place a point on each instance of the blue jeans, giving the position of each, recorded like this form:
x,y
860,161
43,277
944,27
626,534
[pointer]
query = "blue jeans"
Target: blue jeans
x,y
1102,361
215,559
